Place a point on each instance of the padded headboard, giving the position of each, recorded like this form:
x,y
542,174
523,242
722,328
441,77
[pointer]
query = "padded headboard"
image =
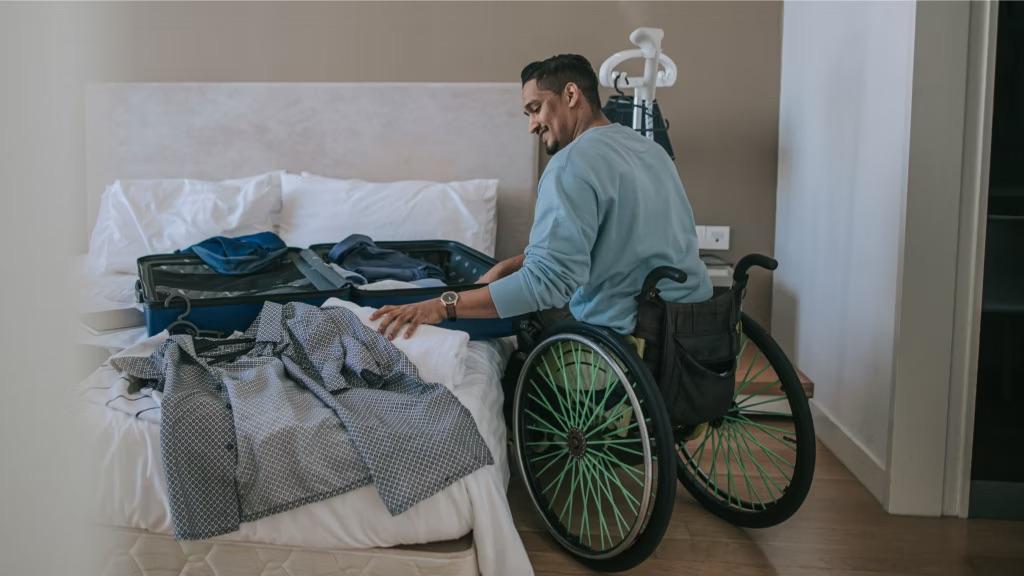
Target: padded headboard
x,y
371,131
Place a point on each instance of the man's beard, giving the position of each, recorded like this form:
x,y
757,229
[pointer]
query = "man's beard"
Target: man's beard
x,y
552,149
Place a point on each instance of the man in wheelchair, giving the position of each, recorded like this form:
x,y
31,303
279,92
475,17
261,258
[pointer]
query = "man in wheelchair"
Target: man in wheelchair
x,y
646,386
610,208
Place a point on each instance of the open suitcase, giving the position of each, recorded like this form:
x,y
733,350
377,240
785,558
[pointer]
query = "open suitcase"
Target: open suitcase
x,y
174,287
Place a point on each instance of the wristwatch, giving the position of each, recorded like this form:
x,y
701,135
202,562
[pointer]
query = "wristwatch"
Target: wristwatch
x,y
450,299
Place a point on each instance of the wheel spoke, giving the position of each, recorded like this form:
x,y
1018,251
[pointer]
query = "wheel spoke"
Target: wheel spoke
x,y
714,460
604,400
592,480
617,447
768,414
766,478
590,410
748,379
745,403
569,394
771,453
612,460
607,487
558,487
611,419
728,466
569,499
579,379
610,474
585,509
751,491
700,449
543,456
550,379
549,464
547,426
543,401
780,433
558,479
635,424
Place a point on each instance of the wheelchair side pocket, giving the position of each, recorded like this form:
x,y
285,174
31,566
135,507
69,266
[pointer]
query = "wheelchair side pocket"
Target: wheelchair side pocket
x,y
691,351
696,391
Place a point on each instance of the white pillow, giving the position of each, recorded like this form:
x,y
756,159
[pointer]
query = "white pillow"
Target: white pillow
x,y
140,217
319,210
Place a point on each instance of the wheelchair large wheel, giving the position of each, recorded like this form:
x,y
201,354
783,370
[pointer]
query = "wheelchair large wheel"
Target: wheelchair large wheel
x,y
594,446
753,466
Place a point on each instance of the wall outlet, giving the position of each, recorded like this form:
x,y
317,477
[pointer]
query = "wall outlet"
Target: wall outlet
x,y
713,237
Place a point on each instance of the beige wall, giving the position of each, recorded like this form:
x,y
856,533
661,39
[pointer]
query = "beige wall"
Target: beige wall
x,y
723,111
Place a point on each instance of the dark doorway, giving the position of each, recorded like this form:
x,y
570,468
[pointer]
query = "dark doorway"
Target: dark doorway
x,y
997,469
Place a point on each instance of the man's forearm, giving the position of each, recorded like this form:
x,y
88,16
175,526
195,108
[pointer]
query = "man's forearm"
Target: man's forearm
x,y
510,265
502,269
476,304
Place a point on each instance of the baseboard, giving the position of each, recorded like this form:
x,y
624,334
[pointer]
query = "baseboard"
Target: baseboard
x,y
871,473
1000,500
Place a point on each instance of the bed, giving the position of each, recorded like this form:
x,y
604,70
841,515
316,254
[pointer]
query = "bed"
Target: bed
x,y
374,132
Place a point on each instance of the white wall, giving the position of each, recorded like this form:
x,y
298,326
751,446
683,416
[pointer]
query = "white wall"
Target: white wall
x,y
871,155
844,138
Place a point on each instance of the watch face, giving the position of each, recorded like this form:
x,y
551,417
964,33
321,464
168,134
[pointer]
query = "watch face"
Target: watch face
x,y
449,297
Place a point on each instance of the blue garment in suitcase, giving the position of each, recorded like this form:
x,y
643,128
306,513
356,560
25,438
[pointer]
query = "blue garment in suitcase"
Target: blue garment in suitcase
x,y
173,287
461,265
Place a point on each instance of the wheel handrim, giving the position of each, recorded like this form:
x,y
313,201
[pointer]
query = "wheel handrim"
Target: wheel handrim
x,y
578,423
747,458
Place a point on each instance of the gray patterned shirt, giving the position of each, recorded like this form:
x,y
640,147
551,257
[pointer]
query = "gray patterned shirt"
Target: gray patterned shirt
x,y
319,405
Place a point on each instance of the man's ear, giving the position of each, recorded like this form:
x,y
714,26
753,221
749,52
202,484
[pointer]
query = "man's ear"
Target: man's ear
x,y
572,94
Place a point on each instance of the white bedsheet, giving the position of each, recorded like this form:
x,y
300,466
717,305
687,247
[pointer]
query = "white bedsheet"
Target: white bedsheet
x,y
102,291
132,484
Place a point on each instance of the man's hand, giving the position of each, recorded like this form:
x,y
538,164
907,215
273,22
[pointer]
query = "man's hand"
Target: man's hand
x,y
395,317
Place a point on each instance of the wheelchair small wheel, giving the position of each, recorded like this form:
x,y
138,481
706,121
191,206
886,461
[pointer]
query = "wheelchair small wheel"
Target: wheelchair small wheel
x,y
753,466
594,446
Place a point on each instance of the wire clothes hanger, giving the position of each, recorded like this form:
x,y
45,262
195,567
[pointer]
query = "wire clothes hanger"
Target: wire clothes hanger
x,y
205,341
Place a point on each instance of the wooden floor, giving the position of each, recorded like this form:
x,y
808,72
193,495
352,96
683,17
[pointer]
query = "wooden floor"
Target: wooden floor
x,y
840,530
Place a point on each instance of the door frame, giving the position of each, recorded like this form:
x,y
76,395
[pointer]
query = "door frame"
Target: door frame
x,y
970,257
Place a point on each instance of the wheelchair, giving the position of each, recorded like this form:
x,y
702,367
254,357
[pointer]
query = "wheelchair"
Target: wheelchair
x,y
599,453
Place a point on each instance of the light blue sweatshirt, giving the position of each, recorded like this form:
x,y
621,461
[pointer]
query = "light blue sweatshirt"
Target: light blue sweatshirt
x,y
610,208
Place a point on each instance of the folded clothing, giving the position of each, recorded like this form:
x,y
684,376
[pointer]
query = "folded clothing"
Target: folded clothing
x,y
359,254
239,255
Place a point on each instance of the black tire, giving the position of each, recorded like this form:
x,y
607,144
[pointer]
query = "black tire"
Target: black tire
x,y
595,431
756,444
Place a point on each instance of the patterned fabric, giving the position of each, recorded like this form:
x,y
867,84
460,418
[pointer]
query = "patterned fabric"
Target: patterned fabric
x,y
319,405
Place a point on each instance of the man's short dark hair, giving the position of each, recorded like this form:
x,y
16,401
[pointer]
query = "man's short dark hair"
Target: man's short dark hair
x,y
555,72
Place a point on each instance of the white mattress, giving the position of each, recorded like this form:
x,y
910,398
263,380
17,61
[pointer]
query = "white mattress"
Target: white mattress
x,y
123,552
132,484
